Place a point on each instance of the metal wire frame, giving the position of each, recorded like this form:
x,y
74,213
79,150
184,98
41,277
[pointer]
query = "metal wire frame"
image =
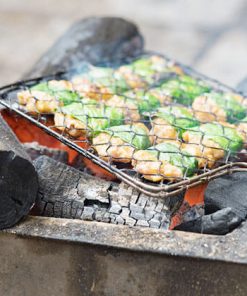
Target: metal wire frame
x,y
156,190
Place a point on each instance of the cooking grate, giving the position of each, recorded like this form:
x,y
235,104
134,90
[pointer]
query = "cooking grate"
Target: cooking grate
x,y
157,125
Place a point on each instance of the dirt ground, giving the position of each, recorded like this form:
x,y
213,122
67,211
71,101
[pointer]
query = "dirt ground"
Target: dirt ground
x,y
209,35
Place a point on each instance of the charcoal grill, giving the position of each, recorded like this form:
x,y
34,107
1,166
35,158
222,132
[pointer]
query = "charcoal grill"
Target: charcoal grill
x,y
70,257
231,163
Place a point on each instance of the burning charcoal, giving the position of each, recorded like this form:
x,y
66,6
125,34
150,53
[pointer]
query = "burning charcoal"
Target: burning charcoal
x,y
106,217
19,182
115,208
142,223
99,214
63,185
194,212
149,214
88,214
228,191
137,215
187,213
220,222
225,206
119,220
130,221
67,193
154,223
113,218
93,40
34,150
80,165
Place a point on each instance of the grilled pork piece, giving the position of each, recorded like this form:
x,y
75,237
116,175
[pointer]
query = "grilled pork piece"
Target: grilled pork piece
x,y
118,143
95,90
134,103
128,106
214,141
132,79
146,70
141,72
170,122
99,83
242,128
165,161
222,107
46,97
184,89
86,118
205,155
161,95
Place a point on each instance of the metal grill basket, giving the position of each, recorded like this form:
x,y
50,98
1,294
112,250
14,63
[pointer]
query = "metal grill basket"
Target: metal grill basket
x,y
157,125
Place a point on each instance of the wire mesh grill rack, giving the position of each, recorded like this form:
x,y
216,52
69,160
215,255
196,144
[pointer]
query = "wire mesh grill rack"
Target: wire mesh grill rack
x,y
156,124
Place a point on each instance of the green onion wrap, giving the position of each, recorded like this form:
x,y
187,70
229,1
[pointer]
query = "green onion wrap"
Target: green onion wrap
x,y
234,110
184,89
95,117
63,95
106,77
172,154
226,137
131,134
179,117
144,100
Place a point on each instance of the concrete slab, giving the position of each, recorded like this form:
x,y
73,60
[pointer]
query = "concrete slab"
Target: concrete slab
x,y
47,256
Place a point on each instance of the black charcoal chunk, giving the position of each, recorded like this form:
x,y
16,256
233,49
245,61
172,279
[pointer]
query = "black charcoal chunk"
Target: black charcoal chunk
x,y
219,223
18,178
229,191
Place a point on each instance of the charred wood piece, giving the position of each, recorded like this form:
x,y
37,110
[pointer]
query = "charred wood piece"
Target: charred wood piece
x,y
18,179
68,193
